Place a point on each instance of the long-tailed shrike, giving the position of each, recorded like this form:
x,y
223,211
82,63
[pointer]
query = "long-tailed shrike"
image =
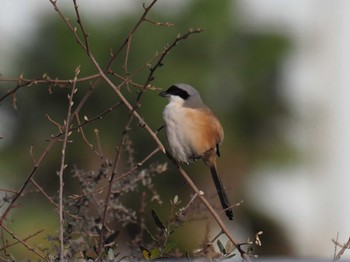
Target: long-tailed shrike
x,y
193,132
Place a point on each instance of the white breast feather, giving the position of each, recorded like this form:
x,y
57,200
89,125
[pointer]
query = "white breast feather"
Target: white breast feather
x,y
177,131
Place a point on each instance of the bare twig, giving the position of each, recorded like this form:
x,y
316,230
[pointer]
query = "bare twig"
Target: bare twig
x,y
165,52
212,211
159,63
63,165
167,24
31,174
42,191
59,126
8,190
343,247
81,131
71,27
131,33
335,245
109,190
24,239
118,178
102,72
87,120
81,27
182,212
52,140
23,82
209,243
128,105
19,193
23,242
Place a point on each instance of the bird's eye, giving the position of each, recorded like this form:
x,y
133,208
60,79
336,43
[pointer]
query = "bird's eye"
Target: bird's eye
x,y
174,90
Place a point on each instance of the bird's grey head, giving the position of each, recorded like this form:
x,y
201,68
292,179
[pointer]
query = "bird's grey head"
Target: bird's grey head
x,y
183,93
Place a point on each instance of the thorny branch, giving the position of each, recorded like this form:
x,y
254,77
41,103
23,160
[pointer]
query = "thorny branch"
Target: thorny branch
x,y
22,241
130,35
25,82
212,211
63,164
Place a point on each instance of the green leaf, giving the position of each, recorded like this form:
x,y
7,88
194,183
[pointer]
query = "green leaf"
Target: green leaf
x,y
221,247
169,246
110,254
154,253
111,238
229,247
146,253
149,255
157,220
230,256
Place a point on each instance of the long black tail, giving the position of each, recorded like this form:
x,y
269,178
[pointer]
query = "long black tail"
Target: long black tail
x,y
221,192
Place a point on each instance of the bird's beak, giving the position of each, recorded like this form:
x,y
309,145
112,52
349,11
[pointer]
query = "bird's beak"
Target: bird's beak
x,y
163,94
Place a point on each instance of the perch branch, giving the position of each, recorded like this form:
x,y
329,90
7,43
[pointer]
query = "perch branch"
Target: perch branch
x,y
212,211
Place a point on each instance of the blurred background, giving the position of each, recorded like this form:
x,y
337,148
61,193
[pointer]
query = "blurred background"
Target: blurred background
x,y
275,72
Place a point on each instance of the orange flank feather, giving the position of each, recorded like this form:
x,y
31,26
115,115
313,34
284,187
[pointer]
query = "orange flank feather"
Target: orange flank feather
x,y
209,132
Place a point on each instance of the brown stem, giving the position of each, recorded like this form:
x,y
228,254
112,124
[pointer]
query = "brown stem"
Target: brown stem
x,y
63,166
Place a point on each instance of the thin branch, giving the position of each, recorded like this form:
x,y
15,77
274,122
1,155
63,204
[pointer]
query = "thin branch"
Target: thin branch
x,y
72,28
131,33
23,82
89,120
81,27
59,126
109,190
63,165
24,239
128,79
19,193
335,245
127,104
23,242
31,174
209,243
52,140
81,131
342,250
98,141
8,190
212,211
167,24
130,171
182,212
166,51
102,72
42,191
160,56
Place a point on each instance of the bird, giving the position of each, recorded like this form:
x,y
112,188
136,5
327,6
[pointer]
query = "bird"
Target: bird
x,y
193,132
